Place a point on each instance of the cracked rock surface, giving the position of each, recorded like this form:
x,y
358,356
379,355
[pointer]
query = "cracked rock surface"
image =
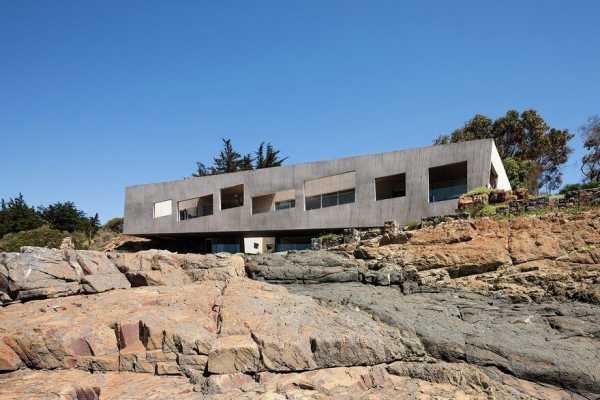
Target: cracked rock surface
x,y
482,309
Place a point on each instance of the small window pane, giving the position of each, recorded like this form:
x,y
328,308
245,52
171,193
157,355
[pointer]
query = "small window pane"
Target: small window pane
x,y
284,205
347,196
313,202
330,199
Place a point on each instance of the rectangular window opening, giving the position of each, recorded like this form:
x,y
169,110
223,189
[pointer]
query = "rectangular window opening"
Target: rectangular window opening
x,y
163,208
447,182
262,204
330,199
281,200
195,207
232,197
389,187
285,204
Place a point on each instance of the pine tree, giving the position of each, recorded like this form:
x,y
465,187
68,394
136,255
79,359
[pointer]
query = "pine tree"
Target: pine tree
x,y
268,158
228,159
16,216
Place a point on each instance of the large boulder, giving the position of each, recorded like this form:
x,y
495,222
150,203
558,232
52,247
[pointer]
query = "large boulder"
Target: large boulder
x,y
38,273
304,266
219,267
151,268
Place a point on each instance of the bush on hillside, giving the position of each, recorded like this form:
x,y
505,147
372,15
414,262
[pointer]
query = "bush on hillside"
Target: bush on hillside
x,y
114,224
578,186
487,211
44,236
479,190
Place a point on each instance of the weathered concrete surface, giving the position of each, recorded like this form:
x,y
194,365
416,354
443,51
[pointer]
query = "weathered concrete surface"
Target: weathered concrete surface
x,y
364,212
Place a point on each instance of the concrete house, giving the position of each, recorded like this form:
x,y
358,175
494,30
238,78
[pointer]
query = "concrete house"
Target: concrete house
x,y
281,208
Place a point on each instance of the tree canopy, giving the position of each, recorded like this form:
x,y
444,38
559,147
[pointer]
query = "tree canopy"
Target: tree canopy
x,y
590,162
17,216
230,160
521,137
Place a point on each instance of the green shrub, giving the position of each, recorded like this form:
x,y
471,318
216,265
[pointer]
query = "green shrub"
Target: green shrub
x,y
479,190
328,237
114,224
487,211
44,236
578,186
411,226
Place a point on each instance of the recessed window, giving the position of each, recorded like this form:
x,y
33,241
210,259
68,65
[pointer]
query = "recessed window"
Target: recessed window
x,y
447,182
493,177
330,199
232,197
346,196
313,202
255,245
285,204
281,200
196,207
163,208
388,187
262,204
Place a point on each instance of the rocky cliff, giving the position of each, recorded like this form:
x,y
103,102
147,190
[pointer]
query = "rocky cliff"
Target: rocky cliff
x,y
475,309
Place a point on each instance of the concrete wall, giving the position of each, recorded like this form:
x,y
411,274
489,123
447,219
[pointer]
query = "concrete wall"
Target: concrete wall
x,y
503,182
364,212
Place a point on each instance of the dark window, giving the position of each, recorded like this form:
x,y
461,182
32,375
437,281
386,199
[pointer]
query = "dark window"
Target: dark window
x,y
346,196
447,182
313,202
255,245
284,205
329,200
232,197
293,243
388,187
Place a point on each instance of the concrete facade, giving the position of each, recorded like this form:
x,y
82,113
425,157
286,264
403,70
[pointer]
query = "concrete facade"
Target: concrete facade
x,y
302,180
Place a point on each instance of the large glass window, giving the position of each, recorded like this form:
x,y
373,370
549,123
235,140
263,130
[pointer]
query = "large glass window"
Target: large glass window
x,y
447,182
196,207
232,197
388,187
330,199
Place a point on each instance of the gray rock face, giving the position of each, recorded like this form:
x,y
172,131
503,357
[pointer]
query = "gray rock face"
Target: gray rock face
x,y
310,267
556,343
304,266
40,273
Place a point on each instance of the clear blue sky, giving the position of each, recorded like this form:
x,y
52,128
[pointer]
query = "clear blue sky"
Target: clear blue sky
x,y
98,95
